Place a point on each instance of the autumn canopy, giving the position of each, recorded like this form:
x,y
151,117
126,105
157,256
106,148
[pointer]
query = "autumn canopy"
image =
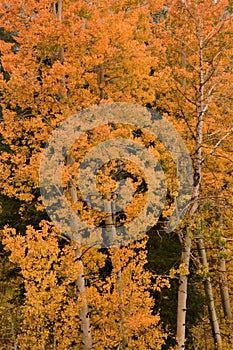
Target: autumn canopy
x,y
162,288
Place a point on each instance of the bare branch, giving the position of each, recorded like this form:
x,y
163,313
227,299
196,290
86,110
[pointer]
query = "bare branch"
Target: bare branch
x,y
217,145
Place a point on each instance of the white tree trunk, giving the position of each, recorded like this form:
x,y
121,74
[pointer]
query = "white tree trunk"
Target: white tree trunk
x,y
224,289
209,294
187,242
80,283
183,292
110,232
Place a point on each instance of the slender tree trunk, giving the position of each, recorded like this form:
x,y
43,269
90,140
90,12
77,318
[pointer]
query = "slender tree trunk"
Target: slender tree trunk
x,y
183,280
84,313
187,242
80,283
209,294
224,289
183,292
43,342
110,234
186,246
204,91
101,80
54,343
184,65
56,8
223,282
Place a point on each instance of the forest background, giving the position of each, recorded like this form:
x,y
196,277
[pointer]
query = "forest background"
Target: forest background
x,y
164,290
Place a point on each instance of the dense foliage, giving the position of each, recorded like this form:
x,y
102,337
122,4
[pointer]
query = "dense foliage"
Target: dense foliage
x,y
57,58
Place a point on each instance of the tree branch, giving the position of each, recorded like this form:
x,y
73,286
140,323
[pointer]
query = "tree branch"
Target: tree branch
x,y
217,144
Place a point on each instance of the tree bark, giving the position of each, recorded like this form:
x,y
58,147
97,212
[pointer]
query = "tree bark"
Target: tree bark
x,y
80,283
224,289
183,292
203,78
109,234
112,241
209,294
187,242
